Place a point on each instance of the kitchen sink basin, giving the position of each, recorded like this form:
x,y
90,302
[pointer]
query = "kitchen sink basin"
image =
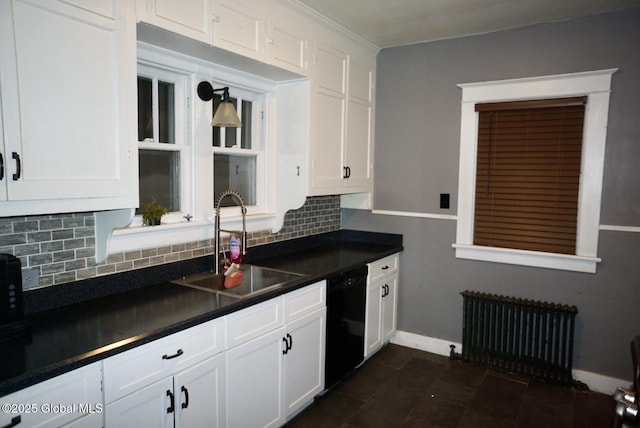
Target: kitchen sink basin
x,y
255,280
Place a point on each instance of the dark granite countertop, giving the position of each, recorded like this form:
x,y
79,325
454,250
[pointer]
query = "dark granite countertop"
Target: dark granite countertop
x,y
127,310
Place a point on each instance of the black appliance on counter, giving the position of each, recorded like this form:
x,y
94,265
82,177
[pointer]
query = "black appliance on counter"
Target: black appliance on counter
x,y
346,299
12,323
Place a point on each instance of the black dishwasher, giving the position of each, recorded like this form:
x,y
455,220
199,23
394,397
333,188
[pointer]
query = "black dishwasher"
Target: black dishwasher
x,y
346,298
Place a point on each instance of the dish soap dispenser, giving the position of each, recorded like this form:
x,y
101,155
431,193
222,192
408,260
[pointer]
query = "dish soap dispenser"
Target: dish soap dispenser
x,y
235,250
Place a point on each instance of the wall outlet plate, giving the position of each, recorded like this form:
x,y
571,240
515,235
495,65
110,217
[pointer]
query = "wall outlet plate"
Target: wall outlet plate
x,y
30,278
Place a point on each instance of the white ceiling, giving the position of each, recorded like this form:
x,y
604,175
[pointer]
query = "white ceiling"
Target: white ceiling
x,y
388,23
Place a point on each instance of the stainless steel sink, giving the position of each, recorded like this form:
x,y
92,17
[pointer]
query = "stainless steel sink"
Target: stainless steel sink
x,y
255,279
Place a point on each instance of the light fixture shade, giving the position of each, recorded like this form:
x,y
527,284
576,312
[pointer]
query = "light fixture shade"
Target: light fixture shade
x,y
226,116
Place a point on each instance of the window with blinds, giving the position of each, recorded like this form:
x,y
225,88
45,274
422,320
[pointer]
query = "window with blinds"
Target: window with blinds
x,y
528,174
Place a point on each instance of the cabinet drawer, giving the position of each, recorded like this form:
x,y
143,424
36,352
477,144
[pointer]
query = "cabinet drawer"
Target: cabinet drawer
x,y
56,401
382,267
254,321
131,370
305,300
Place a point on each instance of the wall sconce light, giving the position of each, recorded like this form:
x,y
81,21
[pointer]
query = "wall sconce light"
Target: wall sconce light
x,y
225,115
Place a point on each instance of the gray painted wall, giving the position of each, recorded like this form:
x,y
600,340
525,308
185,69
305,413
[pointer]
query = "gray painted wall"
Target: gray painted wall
x,y
416,155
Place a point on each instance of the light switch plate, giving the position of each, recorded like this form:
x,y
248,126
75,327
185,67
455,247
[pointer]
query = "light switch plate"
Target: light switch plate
x,y
444,201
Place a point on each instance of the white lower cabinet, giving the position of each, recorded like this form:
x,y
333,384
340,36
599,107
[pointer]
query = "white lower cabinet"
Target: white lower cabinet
x,y
147,407
373,320
254,382
200,389
176,381
382,290
273,374
191,398
388,307
304,361
73,399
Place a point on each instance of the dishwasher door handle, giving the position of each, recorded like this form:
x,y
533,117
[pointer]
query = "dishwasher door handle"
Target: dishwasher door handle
x,y
344,284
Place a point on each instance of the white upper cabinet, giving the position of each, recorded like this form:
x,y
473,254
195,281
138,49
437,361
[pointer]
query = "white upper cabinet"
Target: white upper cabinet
x,y
360,109
273,32
239,27
287,40
328,110
342,114
67,82
269,31
191,18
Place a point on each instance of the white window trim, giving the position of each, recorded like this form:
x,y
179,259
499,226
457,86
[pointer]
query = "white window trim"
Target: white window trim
x,y
134,236
596,85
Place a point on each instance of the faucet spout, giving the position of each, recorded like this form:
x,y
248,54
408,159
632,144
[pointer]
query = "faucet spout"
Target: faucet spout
x,y
238,200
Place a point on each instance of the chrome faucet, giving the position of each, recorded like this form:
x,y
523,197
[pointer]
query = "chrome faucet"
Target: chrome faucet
x,y
238,199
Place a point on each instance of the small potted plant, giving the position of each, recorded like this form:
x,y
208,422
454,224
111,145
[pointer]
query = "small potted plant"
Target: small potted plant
x,y
152,213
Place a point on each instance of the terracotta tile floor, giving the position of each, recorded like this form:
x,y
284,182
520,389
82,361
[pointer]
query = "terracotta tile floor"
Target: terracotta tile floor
x,y
403,387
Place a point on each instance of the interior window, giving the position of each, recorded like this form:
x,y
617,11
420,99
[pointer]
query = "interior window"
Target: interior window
x,y
161,143
578,239
528,174
235,156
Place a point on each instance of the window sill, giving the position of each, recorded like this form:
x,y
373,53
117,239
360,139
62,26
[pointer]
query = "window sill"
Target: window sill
x,y
167,234
527,258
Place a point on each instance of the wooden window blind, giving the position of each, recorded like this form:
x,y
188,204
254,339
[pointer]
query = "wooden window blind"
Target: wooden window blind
x,y
528,174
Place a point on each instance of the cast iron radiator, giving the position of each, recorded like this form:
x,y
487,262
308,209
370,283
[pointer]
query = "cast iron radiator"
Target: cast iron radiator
x,y
518,335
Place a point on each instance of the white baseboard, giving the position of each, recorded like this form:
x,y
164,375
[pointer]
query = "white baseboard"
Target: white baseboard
x,y
425,343
600,383
595,381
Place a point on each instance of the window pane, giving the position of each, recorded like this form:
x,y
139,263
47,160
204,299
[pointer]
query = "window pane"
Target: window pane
x,y
246,124
230,134
145,109
166,111
159,178
236,173
528,177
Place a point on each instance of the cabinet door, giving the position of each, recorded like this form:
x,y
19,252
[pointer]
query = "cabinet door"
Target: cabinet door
x,y
199,395
254,382
190,18
359,142
304,360
372,332
79,390
287,41
4,160
152,406
68,94
239,27
389,304
329,100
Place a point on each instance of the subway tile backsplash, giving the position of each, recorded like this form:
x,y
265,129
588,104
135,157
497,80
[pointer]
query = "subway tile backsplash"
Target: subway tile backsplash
x,y
62,246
